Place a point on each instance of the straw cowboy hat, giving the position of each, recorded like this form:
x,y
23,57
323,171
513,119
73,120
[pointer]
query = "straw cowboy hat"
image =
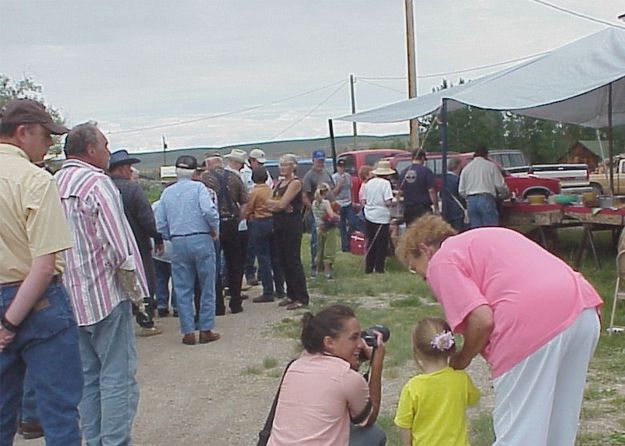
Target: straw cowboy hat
x,y
237,155
383,167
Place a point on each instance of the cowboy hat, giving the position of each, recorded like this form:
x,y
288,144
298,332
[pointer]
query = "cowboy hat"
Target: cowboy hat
x,y
237,155
120,158
383,167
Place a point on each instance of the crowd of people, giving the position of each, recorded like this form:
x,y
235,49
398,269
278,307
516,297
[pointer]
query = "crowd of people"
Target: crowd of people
x,y
85,257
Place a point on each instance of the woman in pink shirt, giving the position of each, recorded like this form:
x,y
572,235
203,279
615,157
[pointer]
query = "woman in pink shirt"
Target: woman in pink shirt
x,y
322,391
532,318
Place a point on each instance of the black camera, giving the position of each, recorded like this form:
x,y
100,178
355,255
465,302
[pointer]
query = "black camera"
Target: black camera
x,y
369,335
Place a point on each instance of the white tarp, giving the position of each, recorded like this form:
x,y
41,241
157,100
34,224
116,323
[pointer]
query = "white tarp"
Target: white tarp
x,y
569,84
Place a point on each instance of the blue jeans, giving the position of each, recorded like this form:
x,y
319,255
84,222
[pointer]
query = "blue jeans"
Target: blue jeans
x,y
46,344
250,256
366,436
348,219
111,393
310,222
194,255
29,402
482,210
261,234
163,274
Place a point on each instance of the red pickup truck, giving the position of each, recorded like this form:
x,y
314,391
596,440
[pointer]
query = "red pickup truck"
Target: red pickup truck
x,y
520,186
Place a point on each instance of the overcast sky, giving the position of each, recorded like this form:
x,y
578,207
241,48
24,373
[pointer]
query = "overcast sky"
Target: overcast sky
x,y
275,69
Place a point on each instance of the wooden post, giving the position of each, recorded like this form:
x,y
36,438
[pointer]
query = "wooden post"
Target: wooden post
x,y
352,81
332,143
164,151
412,70
444,143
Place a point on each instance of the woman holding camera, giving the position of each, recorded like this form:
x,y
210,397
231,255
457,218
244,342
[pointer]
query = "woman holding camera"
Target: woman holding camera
x,y
322,391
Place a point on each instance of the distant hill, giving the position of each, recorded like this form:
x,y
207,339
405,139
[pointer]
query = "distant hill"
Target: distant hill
x,y
152,161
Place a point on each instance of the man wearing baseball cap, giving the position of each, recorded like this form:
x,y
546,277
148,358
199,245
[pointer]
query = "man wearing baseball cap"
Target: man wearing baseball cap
x,y
34,235
188,216
313,178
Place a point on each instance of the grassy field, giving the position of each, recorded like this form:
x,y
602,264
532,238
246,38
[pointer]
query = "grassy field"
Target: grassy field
x,y
397,299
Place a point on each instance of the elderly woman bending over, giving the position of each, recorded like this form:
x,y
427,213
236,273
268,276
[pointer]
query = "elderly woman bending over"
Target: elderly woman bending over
x,y
532,317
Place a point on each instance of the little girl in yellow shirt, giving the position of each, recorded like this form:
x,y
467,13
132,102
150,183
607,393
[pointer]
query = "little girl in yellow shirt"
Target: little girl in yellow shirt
x,y
432,405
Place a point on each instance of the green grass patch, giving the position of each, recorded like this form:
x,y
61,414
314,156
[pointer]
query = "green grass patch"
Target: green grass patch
x,y
398,299
270,363
251,370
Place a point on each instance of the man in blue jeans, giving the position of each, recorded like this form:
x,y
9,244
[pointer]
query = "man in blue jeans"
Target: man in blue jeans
x,y
343,193
104,277
187,215
480,183
313,178
37,329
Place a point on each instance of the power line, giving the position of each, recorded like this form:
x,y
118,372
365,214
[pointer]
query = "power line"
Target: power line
x,y
577,14
316,107
447,73
219,115
381,86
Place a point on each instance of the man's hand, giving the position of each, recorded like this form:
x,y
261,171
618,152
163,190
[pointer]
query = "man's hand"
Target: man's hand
x,y
6,337
458,361
159,248
478,325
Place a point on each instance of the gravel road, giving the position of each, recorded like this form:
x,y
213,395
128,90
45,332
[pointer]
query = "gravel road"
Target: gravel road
x,y
218,394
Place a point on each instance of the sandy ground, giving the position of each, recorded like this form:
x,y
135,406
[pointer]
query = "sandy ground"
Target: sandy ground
x,y
210,395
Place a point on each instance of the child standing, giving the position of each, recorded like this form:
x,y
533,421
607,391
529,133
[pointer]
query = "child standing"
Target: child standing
x,y
326,220
260,225
431,409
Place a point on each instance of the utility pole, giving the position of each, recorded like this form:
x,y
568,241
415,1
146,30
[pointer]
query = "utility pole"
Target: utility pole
x,y
164,151
412,70
352,81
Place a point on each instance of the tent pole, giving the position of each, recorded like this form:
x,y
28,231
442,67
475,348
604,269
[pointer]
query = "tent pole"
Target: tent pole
x,y
444,143
332,143
610,139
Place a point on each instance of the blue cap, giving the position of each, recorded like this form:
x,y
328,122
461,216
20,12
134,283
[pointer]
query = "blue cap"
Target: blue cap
x,y
318,155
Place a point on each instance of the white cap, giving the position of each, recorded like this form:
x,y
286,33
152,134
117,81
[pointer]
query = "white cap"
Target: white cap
x,y
258,155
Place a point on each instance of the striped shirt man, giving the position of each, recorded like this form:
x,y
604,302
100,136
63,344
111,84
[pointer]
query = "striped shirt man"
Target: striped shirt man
x,y
103,242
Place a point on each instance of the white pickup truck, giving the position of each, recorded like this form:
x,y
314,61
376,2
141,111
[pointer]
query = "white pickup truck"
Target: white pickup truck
x,y
574,178
600,182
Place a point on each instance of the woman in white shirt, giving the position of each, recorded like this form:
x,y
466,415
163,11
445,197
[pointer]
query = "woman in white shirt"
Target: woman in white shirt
x,y
377,196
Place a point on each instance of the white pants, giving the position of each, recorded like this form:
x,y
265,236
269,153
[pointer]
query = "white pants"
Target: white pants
x,y
538,401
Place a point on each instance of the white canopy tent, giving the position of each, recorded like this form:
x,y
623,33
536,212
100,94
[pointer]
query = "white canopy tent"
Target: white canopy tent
x,y
580,83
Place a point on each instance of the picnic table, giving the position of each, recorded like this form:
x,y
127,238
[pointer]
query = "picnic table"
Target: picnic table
x,y
550,217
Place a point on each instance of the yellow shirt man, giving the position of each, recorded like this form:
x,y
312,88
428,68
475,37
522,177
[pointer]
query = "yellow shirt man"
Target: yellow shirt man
x,y
31,216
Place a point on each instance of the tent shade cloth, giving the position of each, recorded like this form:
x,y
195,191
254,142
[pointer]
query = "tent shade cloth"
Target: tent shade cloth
x,y
569,84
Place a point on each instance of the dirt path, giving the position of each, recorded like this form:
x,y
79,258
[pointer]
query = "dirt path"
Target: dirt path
x,y
219,394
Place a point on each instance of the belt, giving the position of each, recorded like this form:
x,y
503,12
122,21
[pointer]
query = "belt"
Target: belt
x,y
481,193
55,279
189,235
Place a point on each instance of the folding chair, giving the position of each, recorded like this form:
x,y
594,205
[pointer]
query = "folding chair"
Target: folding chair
x,y
619,294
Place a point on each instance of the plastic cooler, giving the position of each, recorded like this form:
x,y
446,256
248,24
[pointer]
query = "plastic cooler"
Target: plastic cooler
x,y
357,243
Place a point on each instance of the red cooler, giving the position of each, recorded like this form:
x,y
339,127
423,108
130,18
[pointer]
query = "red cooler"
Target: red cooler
x,y
357,243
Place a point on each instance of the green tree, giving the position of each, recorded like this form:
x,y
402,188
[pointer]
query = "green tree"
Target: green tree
x,y
27,89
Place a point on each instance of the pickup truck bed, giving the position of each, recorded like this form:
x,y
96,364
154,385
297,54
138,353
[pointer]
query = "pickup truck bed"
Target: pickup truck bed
x,y
573,178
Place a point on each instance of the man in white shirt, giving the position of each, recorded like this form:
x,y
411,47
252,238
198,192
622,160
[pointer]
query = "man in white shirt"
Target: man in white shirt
x,y
480,181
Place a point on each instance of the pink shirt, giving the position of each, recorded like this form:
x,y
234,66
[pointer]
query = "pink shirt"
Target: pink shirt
x,y
318,395
533,294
